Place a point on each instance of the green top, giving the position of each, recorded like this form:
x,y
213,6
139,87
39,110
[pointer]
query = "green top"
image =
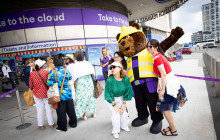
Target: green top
x,y
114,88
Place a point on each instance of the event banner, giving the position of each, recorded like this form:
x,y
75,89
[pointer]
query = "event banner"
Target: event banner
x,y
62,16
101,17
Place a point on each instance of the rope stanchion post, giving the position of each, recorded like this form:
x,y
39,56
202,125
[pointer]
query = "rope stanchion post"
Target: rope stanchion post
x,y
23,125
209,64
213,69
217,84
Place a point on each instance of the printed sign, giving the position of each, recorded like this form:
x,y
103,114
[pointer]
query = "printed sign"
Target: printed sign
x,y
18,58
15,48
101,17
94,53
42,45
178,55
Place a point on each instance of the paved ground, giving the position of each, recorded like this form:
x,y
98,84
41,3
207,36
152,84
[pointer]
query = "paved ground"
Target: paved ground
x,y
194,121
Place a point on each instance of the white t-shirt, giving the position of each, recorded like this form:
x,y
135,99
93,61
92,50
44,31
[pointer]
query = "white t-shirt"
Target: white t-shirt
x,y
6,69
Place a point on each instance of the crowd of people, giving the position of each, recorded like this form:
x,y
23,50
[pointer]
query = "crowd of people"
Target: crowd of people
x,y
74,76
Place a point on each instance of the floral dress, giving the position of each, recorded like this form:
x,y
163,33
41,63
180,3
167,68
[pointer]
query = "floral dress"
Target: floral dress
x,y
85,100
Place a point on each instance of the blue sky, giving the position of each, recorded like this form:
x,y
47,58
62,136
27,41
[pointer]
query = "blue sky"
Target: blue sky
x,y
189,17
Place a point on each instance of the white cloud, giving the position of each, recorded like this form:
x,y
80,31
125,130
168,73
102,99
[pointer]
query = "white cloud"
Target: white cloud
x,y
189,17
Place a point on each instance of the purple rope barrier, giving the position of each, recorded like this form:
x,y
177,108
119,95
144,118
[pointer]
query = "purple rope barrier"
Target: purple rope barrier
x,y
199,78
192,77
3,95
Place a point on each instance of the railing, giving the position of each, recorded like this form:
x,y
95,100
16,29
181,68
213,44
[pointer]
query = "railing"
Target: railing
x,y
213,67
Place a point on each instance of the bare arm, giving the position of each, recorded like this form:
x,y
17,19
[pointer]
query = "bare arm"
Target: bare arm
x,y
163,78
75,84
103,65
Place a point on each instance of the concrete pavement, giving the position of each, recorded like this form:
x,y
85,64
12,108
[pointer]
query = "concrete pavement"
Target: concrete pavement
x,y
194,121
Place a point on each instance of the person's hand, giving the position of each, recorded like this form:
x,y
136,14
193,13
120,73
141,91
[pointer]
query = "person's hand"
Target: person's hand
x,y
117,109
158,90
161,94
123,108
6,80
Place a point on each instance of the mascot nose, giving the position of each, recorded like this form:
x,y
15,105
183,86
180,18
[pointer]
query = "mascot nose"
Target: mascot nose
x,y
123,43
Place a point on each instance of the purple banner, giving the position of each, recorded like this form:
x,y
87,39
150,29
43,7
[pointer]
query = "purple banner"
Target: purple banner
x,y
10,21
124,20
71,16
62,16
115,18
38,18
94,17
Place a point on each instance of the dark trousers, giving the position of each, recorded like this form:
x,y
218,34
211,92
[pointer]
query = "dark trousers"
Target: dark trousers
x,y
105,74
143,99
66,107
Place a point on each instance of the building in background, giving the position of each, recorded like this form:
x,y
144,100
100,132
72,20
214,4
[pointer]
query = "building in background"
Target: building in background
x,y
211,21
197,36
153,29
206,22
215,16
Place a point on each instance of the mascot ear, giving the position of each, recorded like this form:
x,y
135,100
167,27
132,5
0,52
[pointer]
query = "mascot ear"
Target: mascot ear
x,y
136,25
118,35
172,39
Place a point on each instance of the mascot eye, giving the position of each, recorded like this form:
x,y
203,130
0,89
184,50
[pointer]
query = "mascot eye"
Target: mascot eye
x,y
127,36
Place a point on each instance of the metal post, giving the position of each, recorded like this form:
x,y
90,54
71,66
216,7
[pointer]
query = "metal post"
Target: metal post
x,y
23,125
217,85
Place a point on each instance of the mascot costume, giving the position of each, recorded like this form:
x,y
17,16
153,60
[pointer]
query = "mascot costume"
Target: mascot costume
x,y
132,43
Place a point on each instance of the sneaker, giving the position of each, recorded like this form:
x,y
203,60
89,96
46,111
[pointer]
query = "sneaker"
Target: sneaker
x,y
116,135
8,95
94,115
59,130
127,130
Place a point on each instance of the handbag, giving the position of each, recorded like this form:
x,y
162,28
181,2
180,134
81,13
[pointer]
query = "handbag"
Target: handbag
x,y
6,86
53,91
97,87
54,99
29,98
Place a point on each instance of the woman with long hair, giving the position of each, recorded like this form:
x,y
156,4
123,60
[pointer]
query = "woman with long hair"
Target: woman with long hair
x,y
118,91
28,69
37,83
49,65
118,57
104,62
171,94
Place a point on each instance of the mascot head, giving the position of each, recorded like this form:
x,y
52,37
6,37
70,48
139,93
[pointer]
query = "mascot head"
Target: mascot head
x,y
132,40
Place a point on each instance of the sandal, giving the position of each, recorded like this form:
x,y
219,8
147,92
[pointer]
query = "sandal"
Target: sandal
x,y
164,130
171,132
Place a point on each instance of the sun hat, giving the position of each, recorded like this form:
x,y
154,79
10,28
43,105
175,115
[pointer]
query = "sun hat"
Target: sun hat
x,y
117,64
69,56
40,63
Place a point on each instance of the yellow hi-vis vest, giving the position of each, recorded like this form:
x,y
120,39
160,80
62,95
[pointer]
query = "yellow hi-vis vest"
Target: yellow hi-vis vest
x,y
145,65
